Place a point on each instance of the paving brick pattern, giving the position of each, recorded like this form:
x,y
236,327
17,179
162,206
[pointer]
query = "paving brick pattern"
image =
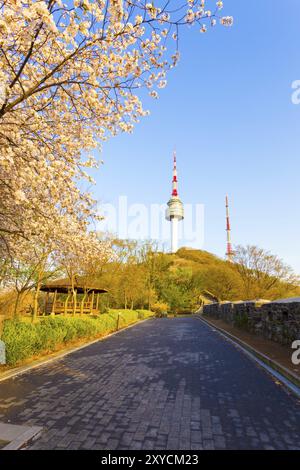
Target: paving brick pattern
x,y
163,384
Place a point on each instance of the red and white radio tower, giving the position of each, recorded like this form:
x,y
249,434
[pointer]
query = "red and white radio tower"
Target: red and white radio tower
x,y
229,252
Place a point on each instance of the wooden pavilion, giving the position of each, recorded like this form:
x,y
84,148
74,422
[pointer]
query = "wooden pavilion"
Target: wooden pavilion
x,y
207,297
63,297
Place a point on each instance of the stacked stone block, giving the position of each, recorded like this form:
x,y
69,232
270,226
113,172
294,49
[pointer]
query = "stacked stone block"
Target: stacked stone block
x,y
277,321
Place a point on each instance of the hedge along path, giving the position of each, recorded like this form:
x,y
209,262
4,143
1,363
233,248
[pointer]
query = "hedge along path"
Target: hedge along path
x,y
33,363
25,340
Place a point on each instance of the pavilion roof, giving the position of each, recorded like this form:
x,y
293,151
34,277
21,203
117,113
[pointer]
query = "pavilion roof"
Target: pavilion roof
x,y
205,294
63,286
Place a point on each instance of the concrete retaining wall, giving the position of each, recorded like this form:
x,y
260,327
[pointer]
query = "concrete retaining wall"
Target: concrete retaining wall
x,y
278,321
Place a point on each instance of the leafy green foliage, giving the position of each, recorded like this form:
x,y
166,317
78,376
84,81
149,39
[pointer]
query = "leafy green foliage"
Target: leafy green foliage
x,y
144,277
144,314
221,280
160,308
24,340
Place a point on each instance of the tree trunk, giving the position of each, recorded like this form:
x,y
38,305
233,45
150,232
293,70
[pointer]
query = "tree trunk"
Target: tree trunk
x,y
92,302
46,304
82,302
36,303
74,301
149,293
66,304
74,293
18,298
53,305
97,303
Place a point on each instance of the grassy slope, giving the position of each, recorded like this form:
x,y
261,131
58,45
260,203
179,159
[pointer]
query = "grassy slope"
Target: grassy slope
x,y
197,259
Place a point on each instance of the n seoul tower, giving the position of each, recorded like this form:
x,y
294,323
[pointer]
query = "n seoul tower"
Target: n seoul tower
x,y
175,211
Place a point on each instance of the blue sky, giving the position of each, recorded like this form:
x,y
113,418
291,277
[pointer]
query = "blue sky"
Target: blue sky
x,y
228,110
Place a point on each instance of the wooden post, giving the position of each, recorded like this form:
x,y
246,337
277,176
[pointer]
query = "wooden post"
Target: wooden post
x,y
36,309
66,304
46,303
53,305
81,305
82,302
97,302
74,301
92,303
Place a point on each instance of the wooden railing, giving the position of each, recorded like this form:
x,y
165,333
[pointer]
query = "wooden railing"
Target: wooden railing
x,y
69,307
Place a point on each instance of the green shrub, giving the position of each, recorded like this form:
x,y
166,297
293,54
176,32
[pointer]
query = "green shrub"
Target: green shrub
x,y
143,314
23,339
50,333
126,316
160,309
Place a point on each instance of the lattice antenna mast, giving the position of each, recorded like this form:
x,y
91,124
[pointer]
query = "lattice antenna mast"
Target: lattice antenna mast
x,y
229,251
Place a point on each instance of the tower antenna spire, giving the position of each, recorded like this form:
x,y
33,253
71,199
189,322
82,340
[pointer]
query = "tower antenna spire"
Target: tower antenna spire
x,y
175,211
229,251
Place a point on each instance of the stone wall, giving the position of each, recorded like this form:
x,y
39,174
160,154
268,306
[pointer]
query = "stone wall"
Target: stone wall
x,y
278,321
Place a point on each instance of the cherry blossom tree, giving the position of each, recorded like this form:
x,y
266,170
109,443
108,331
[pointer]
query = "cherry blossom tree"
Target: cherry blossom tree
x,y
70,74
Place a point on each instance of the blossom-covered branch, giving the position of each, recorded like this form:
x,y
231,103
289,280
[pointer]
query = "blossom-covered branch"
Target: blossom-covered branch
x,y
70,74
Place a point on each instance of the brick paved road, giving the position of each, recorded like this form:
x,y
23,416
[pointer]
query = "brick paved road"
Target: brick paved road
x,y
164,384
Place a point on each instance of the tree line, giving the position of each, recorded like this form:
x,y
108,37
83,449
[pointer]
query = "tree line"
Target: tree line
x,y
138,275
147,277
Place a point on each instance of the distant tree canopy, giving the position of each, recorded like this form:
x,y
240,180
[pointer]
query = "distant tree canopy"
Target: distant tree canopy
x,y
148,276
263,275
140,276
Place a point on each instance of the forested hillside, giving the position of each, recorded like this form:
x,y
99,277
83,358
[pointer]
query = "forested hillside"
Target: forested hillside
x,y
139,276
175,282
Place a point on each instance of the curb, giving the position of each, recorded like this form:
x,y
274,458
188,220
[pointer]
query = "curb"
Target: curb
x,y
278,371
26,437
23,369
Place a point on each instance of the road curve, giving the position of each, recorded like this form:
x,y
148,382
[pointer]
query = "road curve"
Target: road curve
x,y
163,384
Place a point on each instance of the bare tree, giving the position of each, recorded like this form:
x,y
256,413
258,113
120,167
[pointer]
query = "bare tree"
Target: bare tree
x,y
261,272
